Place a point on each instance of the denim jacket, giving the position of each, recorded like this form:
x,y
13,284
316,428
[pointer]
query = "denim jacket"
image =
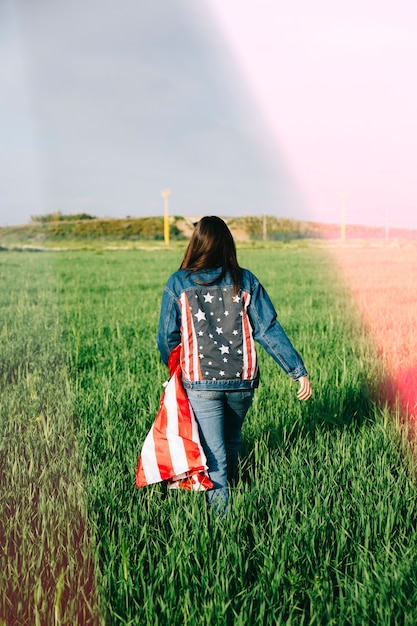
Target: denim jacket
x,y
217,330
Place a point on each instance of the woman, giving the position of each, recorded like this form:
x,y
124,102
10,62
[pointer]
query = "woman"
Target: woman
x,y
216,310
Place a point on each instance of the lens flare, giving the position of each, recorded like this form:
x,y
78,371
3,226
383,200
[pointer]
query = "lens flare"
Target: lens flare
x,y
332,85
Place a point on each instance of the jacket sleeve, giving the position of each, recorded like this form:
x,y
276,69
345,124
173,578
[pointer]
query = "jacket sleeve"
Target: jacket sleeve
x,y
169,328
268,332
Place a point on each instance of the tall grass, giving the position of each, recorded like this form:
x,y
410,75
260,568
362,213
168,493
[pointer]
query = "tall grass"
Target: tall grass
x,y
46,568
323,519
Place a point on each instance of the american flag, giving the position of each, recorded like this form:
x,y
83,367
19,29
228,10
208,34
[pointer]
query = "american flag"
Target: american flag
x,y
172,449
216,335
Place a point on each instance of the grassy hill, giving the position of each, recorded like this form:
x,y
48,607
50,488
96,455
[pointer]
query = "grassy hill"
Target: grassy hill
x,y
56,230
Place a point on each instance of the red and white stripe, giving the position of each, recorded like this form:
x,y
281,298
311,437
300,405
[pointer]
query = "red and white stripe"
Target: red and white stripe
x,y
249,351
190,361
172,447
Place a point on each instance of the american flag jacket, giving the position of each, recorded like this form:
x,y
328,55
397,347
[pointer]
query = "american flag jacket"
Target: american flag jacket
x,y
217,330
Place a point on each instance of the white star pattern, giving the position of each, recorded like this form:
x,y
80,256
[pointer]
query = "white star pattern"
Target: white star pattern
x,y
200,315
217,336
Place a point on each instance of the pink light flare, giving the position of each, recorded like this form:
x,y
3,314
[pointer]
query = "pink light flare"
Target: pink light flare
x,y
332,85
382,282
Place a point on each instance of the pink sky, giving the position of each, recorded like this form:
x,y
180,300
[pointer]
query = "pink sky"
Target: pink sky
x,y
335,84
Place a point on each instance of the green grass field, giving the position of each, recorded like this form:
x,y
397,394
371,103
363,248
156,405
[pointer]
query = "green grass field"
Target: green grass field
x,y
323,522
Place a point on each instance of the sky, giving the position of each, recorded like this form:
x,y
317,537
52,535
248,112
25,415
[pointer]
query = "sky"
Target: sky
x,y
240,107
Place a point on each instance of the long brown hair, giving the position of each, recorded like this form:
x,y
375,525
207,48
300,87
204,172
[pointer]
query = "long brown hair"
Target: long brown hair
x,y
212,246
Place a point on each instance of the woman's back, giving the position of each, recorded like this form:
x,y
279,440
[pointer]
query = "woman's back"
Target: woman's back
x,y
217,342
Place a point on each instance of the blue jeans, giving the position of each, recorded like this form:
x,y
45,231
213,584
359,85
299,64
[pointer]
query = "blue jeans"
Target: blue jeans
x,y
220,415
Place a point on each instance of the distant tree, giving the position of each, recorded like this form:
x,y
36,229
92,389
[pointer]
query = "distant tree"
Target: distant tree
x,y
47,217
57,216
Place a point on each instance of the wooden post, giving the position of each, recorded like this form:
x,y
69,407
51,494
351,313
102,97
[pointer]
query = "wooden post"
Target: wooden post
x,y
343,221
165,195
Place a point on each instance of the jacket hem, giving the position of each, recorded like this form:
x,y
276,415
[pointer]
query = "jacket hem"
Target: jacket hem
x,y
221,385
